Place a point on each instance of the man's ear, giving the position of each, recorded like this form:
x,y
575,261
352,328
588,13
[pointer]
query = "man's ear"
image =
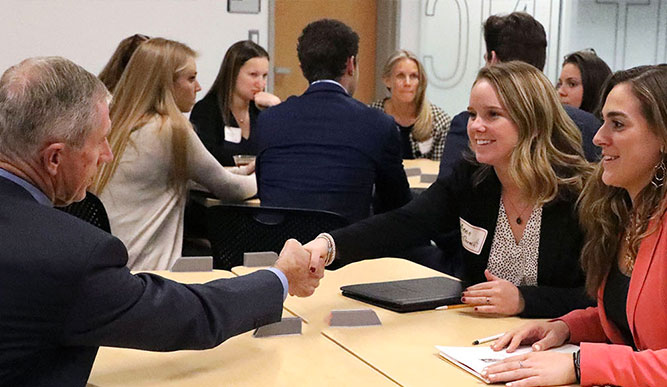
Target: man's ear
x,y
494,58
51,157
350,65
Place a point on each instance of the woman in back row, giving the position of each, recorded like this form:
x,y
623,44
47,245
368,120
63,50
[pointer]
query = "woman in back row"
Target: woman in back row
x,y
623,207
581,80
224,118
156,152
514,204
423,126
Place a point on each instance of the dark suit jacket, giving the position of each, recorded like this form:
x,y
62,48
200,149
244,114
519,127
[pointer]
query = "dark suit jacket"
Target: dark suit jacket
x,y
325,150
210,127
456,143
440,208
65,290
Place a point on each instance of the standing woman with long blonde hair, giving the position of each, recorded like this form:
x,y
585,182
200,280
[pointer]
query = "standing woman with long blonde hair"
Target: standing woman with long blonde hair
x,y
423,126
156,152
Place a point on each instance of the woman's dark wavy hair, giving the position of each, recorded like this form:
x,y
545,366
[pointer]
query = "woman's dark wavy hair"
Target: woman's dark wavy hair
x,y
594,72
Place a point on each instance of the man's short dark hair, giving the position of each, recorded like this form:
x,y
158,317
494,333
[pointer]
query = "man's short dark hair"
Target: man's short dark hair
x,y
517,36
323,49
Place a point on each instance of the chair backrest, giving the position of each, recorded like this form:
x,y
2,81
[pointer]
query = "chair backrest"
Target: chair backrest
x,y
91,210
237,229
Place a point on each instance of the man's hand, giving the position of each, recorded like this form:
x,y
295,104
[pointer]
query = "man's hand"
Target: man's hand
x,y
294,262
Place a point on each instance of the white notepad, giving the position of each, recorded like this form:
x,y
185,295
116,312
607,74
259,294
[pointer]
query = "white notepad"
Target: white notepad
x,y
475,359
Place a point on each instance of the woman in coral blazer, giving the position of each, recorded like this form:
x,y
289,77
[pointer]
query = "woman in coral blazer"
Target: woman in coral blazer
x,y
623,341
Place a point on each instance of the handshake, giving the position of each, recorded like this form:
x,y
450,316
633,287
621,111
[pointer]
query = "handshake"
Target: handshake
x,y
303,265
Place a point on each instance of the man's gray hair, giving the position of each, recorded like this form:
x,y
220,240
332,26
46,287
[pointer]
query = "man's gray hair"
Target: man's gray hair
x,y
46,99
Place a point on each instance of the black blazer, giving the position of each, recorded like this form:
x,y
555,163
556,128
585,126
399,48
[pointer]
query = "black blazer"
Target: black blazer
x,y
440,208
65,290
210,127
325,150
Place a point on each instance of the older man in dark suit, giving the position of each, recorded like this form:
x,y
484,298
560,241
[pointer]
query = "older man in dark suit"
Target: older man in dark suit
x,y
324,149
64,287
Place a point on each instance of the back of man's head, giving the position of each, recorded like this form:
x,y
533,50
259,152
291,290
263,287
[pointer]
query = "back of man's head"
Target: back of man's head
x,y
46,99
324,47
517,36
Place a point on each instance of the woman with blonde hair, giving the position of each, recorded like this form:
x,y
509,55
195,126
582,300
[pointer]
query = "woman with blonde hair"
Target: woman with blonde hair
x,y
511,201
423,126
156,153
623,341
113,70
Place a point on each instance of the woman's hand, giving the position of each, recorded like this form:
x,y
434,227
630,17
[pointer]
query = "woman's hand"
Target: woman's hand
x,y
533,369
496,296
264,100
542,336
318,249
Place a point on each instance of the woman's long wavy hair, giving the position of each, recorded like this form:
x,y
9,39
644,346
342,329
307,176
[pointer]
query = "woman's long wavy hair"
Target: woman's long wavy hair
x,y
423,127
548,159
225,82
144,92
607,212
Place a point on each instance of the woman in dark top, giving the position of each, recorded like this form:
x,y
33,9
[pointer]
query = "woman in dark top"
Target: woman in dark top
x,y
581,80
514,204
623,209
224,118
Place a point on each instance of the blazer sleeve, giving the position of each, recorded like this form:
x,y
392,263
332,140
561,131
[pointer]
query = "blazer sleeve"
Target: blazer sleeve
x,y
619,365
392,189
115,308
456,143
427,215
603,363
441,124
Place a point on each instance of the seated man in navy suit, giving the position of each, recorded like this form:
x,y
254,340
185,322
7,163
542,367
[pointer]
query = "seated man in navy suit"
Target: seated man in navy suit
x,y
324,149
64,286
517,36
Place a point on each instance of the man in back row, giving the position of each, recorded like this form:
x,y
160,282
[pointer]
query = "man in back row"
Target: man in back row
x,y
517,36
64,286
324,149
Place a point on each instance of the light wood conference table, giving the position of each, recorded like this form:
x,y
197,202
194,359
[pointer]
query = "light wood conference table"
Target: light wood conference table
x,y
309,359
426,166
403,348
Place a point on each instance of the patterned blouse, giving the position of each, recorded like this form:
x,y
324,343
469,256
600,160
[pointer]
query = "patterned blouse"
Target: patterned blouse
x,y
516,263
441,123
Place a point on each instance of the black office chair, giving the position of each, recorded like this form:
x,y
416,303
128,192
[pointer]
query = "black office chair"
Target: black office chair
x,y
236,229
91,210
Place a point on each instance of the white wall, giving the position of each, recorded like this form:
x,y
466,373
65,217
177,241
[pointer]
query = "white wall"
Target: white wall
x,y
88,31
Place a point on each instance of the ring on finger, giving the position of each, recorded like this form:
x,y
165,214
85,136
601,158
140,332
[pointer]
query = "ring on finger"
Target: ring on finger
x,y
488,300
520,364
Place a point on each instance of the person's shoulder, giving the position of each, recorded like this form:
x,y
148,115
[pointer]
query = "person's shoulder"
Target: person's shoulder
x,y
581,117
378,104
439,114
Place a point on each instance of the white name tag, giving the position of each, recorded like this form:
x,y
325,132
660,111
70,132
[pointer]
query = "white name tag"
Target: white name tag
x,y
232,134
472,237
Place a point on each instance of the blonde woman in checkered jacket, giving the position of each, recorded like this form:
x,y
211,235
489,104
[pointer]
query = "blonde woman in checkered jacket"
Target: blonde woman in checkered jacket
x,y
423,126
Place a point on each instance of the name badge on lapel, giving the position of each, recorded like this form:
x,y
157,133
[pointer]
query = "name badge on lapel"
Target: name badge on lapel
x,y
472,237
232,134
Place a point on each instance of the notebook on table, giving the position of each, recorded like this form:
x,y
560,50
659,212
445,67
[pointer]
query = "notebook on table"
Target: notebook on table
x,y
407,295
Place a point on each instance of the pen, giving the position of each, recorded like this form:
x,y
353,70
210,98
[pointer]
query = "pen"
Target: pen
x,y
487,339
457,306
